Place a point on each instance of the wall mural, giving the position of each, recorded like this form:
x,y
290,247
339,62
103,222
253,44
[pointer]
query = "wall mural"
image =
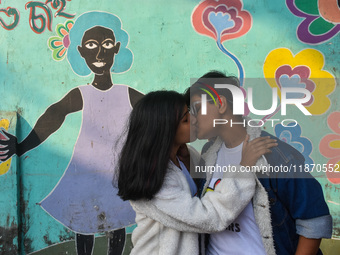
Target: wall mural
x,y
321,19
10,12
40,15
60,43
5,165
223,20
85,200
330,148
291,134
303,70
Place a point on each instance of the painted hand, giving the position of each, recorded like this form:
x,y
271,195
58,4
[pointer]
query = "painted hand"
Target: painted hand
x,y
8,145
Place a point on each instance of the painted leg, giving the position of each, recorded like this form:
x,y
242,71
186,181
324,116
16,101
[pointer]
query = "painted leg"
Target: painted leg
x,y
116,242
84,244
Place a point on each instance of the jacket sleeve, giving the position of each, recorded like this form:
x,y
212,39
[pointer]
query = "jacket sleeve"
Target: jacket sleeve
x,y
174,207
316,228
303,197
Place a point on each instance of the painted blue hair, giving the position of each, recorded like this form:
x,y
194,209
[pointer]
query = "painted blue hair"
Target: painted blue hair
x,y
122,60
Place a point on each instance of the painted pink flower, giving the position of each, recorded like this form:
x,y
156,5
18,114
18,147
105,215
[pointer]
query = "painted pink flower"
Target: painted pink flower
x,y
221,20
330,148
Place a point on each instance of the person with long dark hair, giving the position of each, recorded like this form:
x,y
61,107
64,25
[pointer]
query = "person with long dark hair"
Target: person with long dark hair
x,y
168,214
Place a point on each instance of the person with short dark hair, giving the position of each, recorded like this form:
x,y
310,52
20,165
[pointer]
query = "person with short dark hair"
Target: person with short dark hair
x,y
158,185
294,203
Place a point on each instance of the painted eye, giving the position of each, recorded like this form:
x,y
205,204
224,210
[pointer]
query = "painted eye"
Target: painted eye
x,y
91,45
107,45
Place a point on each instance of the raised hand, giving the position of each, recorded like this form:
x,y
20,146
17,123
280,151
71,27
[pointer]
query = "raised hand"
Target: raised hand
x,y
253,150
8,145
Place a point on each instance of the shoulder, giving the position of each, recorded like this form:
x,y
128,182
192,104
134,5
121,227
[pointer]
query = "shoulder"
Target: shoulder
x,y
173,183
283,153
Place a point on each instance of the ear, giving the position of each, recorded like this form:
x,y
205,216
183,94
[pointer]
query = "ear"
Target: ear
x,y
116,48
80,49
223,108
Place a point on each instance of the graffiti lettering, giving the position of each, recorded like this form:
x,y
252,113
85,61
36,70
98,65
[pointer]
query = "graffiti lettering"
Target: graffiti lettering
x,y
61,4
10,12
38,22
34,17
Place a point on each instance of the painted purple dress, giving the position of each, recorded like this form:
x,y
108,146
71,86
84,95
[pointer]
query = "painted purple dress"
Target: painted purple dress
x,y
84,200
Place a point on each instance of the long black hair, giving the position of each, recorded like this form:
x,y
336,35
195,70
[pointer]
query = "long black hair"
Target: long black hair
x,y
146,153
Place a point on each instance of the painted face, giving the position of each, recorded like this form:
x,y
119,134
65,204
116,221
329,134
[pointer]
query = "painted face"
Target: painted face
x,y
183,129
98,48
204,123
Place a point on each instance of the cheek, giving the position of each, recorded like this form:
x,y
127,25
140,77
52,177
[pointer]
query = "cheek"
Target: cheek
x,y
184,134
109,53
205,127
90,55
203,121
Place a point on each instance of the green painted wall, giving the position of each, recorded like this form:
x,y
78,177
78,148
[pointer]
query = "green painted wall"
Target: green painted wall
x,y
167,52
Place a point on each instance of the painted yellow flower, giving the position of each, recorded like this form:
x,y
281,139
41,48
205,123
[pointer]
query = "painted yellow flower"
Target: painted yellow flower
x,y
4,166
303,70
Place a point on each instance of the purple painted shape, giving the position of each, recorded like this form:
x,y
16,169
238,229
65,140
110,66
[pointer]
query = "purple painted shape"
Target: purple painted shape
x,y
66,41
303,32
84,200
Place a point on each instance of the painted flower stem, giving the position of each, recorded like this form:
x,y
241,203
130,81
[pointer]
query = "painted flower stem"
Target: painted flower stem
x,y
237,62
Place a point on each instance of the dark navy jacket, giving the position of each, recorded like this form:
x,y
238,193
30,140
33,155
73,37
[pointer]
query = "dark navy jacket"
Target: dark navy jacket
x,y
292,196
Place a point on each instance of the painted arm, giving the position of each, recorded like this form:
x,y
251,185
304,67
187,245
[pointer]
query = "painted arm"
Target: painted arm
x,y
49,122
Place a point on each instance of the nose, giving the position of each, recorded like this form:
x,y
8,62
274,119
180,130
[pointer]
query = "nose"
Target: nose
x,y
100,54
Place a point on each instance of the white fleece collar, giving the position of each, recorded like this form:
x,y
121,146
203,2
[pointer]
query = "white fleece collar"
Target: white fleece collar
x,y
210,156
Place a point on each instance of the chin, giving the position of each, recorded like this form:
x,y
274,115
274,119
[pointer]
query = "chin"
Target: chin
x,y
201,137
193,139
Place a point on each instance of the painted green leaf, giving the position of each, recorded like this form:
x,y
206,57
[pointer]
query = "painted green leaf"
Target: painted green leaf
x,y
320,26
59,54
308,6
52,40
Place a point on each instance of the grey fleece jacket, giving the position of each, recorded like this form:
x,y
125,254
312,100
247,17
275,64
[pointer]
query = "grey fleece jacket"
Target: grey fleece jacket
x,y
169,223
